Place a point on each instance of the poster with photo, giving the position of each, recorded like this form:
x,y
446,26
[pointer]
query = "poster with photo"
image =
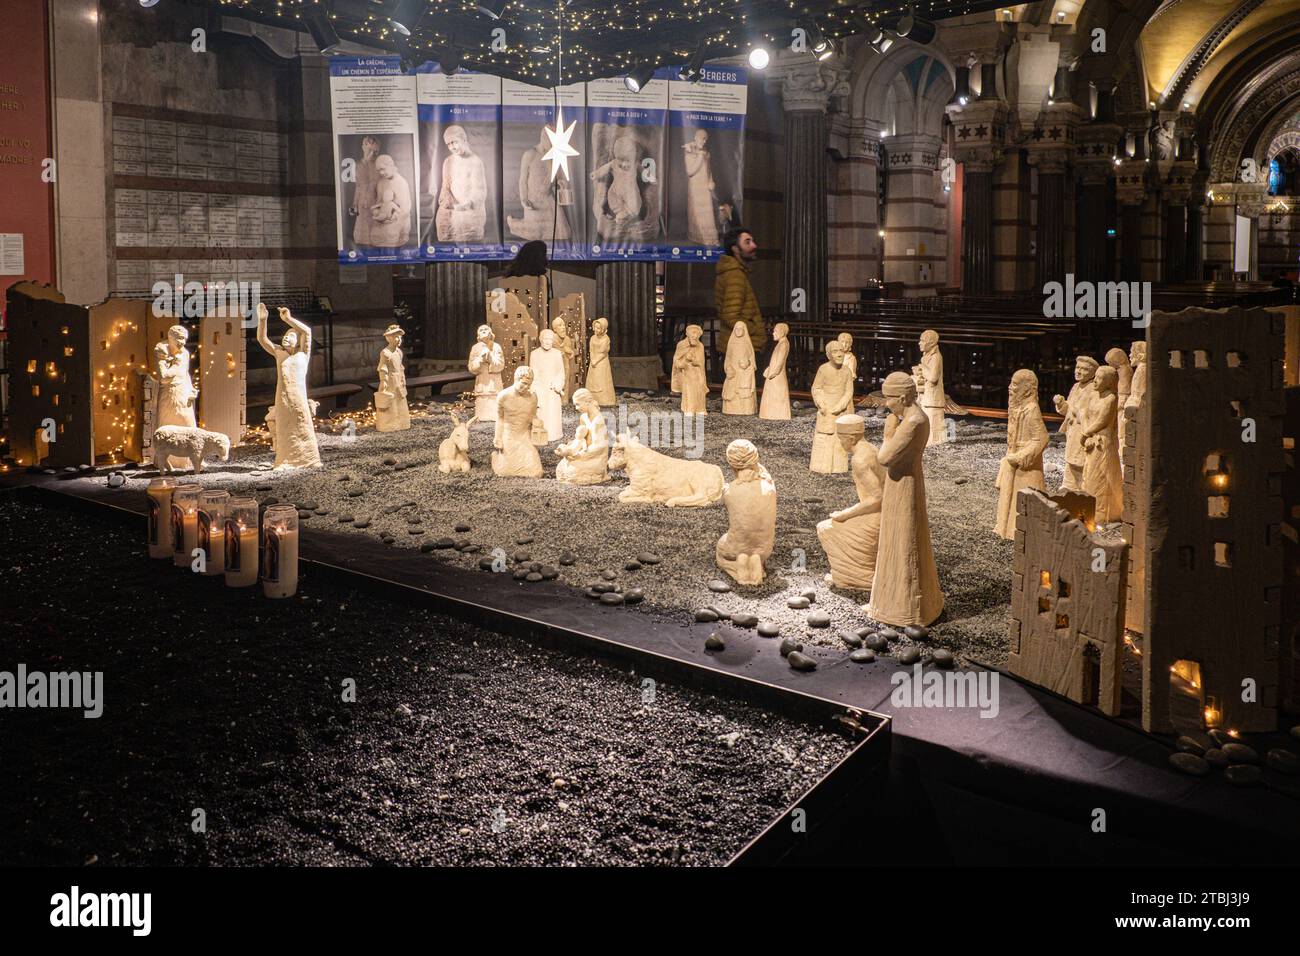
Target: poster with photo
x,y
377,178
460,162
625,142
536,205
706,161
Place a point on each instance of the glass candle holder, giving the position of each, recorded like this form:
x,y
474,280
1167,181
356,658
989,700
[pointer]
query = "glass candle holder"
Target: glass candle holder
x,y
241,542
185,522
280,551
212,530
160,517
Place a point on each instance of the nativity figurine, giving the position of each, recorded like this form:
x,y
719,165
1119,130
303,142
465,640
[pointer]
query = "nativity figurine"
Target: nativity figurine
x,y
832,393
177,395
929,384
294,433
775,404
1027,439
688,372
851,535
1074,410
513,451
600,379
547,363
750,499
1103,478
486,361
585,459
738,396
453,452
392,414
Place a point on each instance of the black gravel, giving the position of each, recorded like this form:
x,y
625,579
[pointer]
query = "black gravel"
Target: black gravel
x,y
462,747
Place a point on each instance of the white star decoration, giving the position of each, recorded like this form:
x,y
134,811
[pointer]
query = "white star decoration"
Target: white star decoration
x,y
560,151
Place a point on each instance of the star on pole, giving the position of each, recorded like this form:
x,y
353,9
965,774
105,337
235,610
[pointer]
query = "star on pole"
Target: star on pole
x,y
560,151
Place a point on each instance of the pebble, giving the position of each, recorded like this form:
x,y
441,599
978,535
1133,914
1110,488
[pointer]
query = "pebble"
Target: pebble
x,y
649,557
415,529
609,575
1283,761
462,528
354,492
875,642
567,558
719,587
602,587
116,479
633,596
304,515
521,556
415,521
1216,758
533,576
810,594
769,629
1243,775
632,566
485,564
852,640
819,619
463,544
914,632
960,481
1189,746
789,645
470,549
797,604
865,632
363,523
803,531
310,506
390,461
706,615
1190,764
745,620
426,546
801,662
520,574
549,572
714,643
1221,737
611,597
346,519
592,593
863,655
1241,753
889,634
942,657
444,544
813,501
909,655
523,540
264,488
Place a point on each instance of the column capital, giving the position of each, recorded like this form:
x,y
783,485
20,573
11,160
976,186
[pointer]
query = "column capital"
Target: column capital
x,y
1050,159
979,159
915,150
808,85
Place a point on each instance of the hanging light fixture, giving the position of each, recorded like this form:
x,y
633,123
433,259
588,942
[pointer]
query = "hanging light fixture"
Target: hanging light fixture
x,y
492,9
880,40
818,43
641,75
915,28
693,71
407,16
322,31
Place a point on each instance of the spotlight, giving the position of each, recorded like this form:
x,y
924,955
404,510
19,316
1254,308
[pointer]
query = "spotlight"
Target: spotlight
x,y
493,9
148,3
821,47
641,74
407,16
759,58
693,71
915,28
449,62
322,31
881,41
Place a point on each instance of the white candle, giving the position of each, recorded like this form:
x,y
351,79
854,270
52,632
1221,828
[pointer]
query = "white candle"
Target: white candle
x,y
280,551
212,521
241,542
185,523
160,517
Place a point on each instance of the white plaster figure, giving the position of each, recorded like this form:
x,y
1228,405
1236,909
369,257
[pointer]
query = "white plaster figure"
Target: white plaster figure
x,y
775,404
513,452
585,459
850,536
738,396
832,392
600,379
750,499
392,414
689,373
486,361
547,363
1075,410
658,479
1027,438
453,452
185,443
295,432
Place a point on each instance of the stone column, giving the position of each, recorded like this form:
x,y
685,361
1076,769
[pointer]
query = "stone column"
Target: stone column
x,y
1175,233
912,233
454,307
625,294
1131,241
1195,240
977,225
1049,254
853,245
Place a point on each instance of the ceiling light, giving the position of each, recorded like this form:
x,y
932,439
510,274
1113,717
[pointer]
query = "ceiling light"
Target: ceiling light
x,y
641,74
322,31
915,28
881,41
693,71
148,3
818,43
407,16
759,57
491,8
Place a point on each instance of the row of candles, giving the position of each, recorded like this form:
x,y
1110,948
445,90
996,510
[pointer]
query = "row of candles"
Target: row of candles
x,y
185,517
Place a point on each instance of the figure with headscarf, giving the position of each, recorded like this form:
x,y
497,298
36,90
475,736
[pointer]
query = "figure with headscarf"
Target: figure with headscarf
x,y
832,393
585,459
750,499
600,377
738,387
905,589
850,536
688,372
775,405
1102,477
1119,360
1137,393
1075,410
1027,438
537,194
390,226
462,200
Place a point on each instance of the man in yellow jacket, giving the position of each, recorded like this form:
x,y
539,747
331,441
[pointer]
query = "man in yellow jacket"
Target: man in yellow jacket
x,y
733,296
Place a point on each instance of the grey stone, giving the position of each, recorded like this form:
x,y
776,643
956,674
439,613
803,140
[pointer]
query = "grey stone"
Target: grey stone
x,y
714,642
875,642
801,662
592,593
942,657
567,558
1241,753
533,576
889,634
1221,737
718,586
520,574
116,479
549,572
519,557
769,629
611,597
649,557
633,596
810,594
1189,746
363,523
1283,761
908,655
1216,758
797,603
602,587
789,645
346,519
1190,764
462,527
745,620
865,632
470,549
706,615
354,492
444,544
632,566
415,529
819,619
1243,775
915,632
304,515
608,575
863,655
852,640
523,540
426,547
960,481
390,461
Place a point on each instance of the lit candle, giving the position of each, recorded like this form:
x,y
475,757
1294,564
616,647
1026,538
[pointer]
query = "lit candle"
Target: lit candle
x,y
185,523
241,542
160,517
280,551
212,530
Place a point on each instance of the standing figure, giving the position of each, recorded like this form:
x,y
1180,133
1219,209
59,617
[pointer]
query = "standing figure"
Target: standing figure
x,y
1137,393
929,384
850,536
1102,476
391,212
733,294
462,200
392,414
850,360
176,391
775,405
486,361
832,392
906,586
738,386
564,342
688,373
585,460
1118,360
701,220
751,516
363,192
548,382
600,380
1027,438
1075,410
513,452
295,432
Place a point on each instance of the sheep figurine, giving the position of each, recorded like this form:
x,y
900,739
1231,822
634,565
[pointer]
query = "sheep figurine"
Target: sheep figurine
x,y
453,453
184,441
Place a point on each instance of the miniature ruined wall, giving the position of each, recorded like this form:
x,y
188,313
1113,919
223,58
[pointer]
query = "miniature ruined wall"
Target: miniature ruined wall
x,y
1067,604
515,329
223,376
119,354
1289,652
1213,543
47,333
1134,517
573,309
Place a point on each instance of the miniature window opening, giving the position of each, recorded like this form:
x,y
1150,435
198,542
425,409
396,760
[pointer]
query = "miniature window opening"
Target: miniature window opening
x,y
1217,470
1175,358
1223,554
31,366
1062,588
1216,506
1186,695
1236,359
1062,622
1201,358
1236,408
1045,579
1186,558
1044,605
1091,675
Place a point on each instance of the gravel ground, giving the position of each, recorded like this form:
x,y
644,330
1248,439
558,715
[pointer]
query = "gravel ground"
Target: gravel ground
x,y
463,746
974,564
